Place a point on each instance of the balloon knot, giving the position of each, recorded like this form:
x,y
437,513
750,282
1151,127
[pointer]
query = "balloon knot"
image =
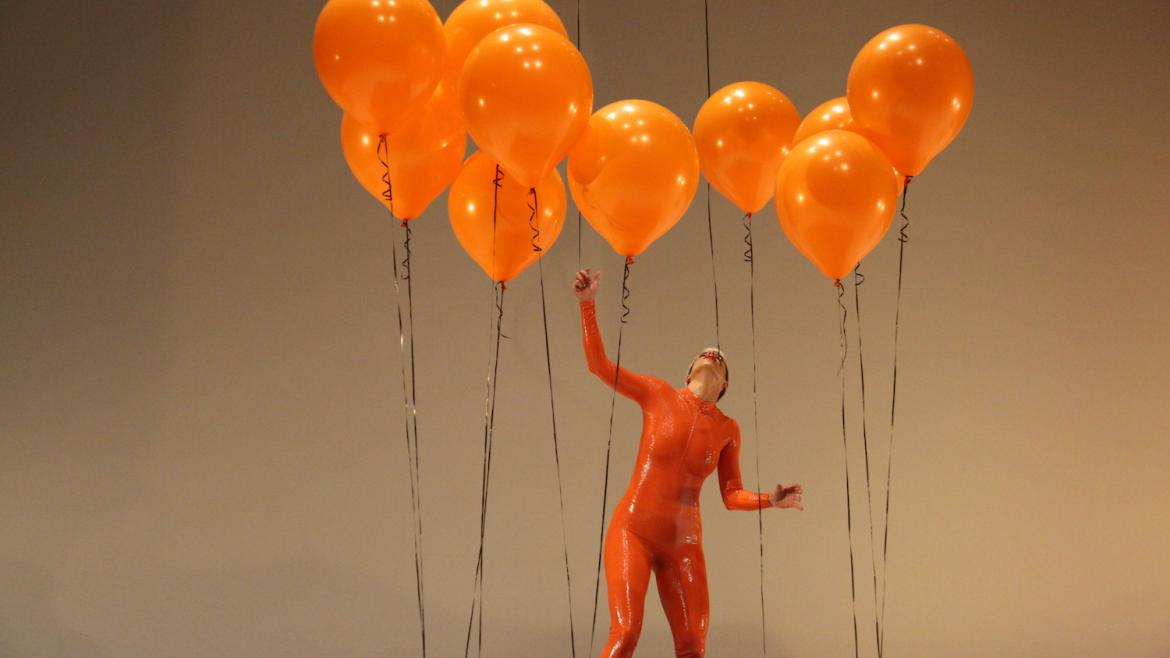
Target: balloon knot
x,y
908,179
837,283
503,285
404,222
629,260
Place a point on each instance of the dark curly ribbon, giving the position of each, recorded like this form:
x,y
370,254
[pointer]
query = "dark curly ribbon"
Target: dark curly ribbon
x,y
845,445
409,401
609,447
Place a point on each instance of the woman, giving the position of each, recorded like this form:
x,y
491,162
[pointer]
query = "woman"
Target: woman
x,y
656,525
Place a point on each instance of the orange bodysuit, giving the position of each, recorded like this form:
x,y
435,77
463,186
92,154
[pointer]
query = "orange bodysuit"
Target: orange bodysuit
x,y
656,525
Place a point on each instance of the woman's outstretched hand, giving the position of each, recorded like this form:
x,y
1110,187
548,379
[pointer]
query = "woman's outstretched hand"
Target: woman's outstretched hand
x,y
787,497
585,284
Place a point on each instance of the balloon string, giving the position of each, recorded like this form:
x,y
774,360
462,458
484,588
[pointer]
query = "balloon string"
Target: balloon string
x,y
845,445
747,238
488,425
578,210
903,238
409,277
749,258
534,206
411,454
707,42
384,159
710,227
844,345
609,447
488,436
406,258
625,294
552,408
556,454
714,277
497,183
408,396
858,279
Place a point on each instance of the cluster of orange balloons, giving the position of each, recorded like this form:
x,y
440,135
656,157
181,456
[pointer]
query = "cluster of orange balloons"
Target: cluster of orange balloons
x,y
837,174
504,72
908,94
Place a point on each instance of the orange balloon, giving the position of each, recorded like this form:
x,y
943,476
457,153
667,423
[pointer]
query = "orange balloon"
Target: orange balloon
x,y
634,173
525,94
379,59
910,90
835,197
831,115
424,157
473,20
743,133
505,251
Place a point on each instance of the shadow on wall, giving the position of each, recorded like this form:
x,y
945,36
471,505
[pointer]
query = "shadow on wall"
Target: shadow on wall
x,y
91,95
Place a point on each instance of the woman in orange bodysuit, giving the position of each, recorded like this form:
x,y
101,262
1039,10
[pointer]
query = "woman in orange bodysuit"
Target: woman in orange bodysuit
x,y
656,525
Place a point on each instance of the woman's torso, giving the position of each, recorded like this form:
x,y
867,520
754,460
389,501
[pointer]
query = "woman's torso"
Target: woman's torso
x,y
682,438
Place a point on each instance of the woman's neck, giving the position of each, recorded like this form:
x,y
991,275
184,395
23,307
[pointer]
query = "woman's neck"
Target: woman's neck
x,y
705,386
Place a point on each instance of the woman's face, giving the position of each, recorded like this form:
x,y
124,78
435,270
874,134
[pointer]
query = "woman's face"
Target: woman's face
x,y
712,361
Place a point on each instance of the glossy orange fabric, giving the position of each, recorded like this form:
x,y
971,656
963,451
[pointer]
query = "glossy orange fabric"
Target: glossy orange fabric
x,y
656,526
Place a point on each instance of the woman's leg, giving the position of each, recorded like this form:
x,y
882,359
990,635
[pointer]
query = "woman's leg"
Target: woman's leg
x,y
682,586
627,575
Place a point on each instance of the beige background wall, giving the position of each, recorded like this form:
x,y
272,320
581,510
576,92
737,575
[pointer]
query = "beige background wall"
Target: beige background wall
x,y
200,427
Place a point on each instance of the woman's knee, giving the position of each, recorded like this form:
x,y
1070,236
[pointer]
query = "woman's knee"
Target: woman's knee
x,y
690,645
623,639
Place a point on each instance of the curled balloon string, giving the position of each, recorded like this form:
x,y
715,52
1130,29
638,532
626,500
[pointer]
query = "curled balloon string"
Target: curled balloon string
x,y
557,455
498,289
747,237
858,280
406,258
844,314
411,453
903,238
488,436
626,289
609,447
497,183
848,494
532,223
749,259
408,277
384,159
